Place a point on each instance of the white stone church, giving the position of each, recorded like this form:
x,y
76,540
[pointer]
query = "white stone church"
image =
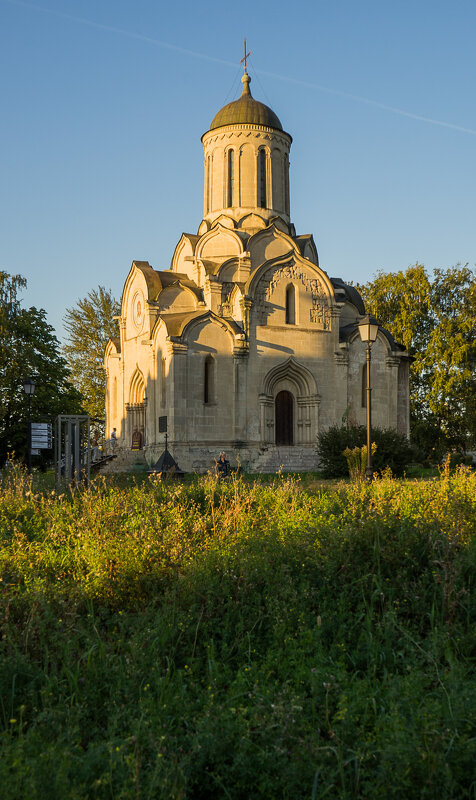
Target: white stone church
x,y
245,344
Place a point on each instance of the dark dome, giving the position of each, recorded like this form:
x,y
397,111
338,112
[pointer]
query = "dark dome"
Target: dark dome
x,y
350,293
246,110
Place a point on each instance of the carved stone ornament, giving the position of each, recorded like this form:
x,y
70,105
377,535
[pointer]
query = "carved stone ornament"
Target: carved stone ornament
x,y
319,314
138,309
226,290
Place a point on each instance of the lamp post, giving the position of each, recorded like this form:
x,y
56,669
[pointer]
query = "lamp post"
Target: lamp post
x,y
368,329
29,389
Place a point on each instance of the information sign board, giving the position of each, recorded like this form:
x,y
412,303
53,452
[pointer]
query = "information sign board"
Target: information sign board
x,y
41,436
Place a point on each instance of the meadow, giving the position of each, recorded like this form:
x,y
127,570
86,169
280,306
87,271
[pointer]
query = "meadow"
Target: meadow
x,y
238,640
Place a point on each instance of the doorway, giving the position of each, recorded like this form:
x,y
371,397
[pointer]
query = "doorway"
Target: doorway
x,y
284,406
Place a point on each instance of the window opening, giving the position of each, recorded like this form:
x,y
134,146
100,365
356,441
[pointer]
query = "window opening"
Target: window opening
x,y
231,178
262,178
364,386
209,188
291,305
286,184
162,384
209,380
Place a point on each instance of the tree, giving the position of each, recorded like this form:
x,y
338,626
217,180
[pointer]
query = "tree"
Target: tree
x,y
435,318
89,325
28,347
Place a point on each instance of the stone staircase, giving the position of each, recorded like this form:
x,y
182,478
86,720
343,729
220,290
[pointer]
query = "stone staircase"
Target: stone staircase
x,y
125,461
287,459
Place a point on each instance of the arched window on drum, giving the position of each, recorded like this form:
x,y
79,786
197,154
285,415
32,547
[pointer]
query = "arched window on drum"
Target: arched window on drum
x,y
262,179
230,195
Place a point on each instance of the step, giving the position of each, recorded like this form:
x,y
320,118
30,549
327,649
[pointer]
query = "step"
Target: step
x,y
125,461
287,459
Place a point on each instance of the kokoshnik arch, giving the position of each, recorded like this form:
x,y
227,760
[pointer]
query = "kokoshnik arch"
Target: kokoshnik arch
x,y
245,343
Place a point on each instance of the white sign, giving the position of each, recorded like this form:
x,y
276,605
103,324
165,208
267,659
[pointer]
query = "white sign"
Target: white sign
x,y
41,436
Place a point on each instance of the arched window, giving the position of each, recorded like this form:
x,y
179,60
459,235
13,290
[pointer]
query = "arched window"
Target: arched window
x,y
364,386
209,185
114,397
290,305
262,202
231,178
162,384
209,380
286,184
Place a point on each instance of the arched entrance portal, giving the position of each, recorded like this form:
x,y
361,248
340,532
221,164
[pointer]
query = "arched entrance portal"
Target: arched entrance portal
x,y
289,405
136,412
284,408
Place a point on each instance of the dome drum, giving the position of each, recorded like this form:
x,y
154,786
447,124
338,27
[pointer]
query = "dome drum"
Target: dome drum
x,y
246,162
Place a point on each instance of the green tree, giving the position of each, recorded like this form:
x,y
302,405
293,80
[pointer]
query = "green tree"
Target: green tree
x,y
28,347
89,325
435,318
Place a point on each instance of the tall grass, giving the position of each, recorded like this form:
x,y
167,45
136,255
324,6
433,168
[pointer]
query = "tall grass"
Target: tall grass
x,y
238,640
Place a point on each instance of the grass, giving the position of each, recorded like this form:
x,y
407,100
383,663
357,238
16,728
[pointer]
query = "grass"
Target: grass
x,y
238,640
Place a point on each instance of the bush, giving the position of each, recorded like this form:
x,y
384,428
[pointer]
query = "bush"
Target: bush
x,y
237,640
393,449
429,441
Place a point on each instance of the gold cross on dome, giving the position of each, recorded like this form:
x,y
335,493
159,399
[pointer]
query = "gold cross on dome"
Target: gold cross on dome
x,y
245,59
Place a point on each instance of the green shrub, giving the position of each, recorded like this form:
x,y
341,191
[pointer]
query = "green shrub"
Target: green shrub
x,y
221,641
428,440
393,449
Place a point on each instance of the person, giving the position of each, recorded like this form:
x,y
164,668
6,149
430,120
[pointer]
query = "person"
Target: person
x,y
95,448
113,440
222,466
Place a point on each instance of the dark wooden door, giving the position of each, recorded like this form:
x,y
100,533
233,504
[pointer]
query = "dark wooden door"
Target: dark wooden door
x,y
284,418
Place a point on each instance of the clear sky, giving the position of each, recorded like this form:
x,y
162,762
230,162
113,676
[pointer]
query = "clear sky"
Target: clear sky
x,y
104,103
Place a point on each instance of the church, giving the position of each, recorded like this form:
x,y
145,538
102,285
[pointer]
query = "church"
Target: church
x,y
245,344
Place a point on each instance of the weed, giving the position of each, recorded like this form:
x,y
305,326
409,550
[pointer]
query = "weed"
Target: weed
x,y
238,639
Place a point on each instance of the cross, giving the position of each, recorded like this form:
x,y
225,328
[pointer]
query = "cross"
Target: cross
x,y
247,55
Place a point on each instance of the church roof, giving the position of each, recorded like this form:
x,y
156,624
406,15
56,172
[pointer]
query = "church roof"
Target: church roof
x,y
348,330
246,110
349,293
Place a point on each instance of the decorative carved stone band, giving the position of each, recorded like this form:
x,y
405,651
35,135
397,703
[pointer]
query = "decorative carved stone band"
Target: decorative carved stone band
x,y
320,313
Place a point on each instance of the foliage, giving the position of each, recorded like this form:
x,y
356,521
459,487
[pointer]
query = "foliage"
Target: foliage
x,y
89,325
28,347
435,318
357,461
392,449
233,641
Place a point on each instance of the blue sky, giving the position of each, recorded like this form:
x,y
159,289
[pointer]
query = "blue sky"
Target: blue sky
x,y
104,103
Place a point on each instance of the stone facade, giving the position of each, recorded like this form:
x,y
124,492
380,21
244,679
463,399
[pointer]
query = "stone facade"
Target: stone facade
x,y
245,344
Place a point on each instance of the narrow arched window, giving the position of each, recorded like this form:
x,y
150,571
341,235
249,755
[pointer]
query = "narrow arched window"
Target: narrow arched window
x,y
209,186
364,386
231,178
162,384
209,380
290,305
286,184
262,179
